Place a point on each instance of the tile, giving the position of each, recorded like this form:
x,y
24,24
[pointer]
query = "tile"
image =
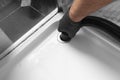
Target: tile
x,y
44,6
4,12
20,22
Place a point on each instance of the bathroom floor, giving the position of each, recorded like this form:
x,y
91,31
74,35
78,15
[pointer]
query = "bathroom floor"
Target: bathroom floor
x,y
15,21
19,22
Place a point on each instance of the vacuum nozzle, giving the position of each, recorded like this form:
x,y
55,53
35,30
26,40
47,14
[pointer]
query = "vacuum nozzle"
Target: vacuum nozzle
x,y
64,37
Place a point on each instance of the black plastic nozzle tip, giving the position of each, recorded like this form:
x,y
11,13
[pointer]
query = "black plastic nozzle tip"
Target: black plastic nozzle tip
x,y
65,37
60,9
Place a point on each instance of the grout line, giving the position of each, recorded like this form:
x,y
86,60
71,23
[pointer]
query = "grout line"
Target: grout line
x,y
10,14
38,11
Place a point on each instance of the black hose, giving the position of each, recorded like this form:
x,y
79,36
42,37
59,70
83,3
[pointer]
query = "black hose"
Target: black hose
x,y
100,23
104,25
96,22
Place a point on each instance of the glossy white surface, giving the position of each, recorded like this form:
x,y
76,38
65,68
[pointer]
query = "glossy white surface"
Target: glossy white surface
x,y
86,57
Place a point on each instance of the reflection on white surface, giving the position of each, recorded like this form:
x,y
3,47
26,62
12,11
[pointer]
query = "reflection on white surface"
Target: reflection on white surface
x,y
86,57
4,41
25,3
